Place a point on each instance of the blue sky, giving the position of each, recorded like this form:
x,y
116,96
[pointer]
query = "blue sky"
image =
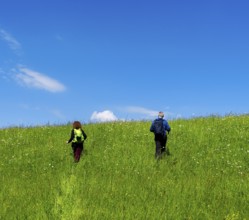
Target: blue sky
x,y
104,60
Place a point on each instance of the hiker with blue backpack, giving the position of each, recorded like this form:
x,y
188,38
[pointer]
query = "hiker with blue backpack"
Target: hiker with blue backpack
x,y
160,127
77,138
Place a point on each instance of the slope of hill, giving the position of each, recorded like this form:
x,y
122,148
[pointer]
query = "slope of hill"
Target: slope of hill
x,y
205,177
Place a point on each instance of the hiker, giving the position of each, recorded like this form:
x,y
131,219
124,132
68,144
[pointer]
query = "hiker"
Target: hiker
x,y
160,127
77,138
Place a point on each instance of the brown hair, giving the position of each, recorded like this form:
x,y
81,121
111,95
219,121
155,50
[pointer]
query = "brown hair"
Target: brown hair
x,y
76,125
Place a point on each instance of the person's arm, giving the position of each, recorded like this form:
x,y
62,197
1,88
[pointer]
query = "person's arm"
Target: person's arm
x,y
152,128
166,126
84,134
72,137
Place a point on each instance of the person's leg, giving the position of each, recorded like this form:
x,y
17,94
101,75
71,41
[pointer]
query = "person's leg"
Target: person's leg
x,y
158,149
165,149
73,149
78,152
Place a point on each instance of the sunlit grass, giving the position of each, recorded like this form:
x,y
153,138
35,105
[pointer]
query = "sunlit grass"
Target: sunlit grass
x,y
206,176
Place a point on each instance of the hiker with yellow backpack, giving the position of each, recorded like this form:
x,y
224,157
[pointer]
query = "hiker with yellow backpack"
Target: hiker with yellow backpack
x,y
77,138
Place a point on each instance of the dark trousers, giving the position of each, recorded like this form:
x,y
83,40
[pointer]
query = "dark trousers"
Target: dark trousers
x,y
161,146
77,150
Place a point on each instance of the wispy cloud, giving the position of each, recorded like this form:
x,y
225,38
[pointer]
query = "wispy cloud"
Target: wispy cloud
x,y
37,80
141,110
144,113
58,114
24,106
10,40
25,76
103,116
2,74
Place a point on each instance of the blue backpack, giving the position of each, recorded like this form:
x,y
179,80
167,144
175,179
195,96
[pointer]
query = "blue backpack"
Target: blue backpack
x,y
158,127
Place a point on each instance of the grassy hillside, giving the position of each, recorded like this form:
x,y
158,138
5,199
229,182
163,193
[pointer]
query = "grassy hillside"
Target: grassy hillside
x,y
206,176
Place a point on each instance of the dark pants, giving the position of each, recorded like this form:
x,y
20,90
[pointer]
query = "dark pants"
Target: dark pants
x,y
161,146
77,150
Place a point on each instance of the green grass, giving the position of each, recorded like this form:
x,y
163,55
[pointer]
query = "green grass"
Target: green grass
x,y
206,176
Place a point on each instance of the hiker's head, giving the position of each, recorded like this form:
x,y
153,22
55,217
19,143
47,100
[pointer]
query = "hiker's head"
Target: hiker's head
x,y
160,115
76,125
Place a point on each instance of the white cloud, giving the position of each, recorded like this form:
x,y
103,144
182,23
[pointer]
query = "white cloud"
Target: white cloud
x,y
141,110
103,116
144,113
11,41
37,80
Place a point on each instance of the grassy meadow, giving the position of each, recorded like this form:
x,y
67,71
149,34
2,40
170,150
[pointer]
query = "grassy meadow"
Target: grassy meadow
x,y
205,177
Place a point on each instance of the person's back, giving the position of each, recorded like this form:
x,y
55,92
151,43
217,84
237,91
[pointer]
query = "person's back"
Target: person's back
x,y
158,128
78,135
